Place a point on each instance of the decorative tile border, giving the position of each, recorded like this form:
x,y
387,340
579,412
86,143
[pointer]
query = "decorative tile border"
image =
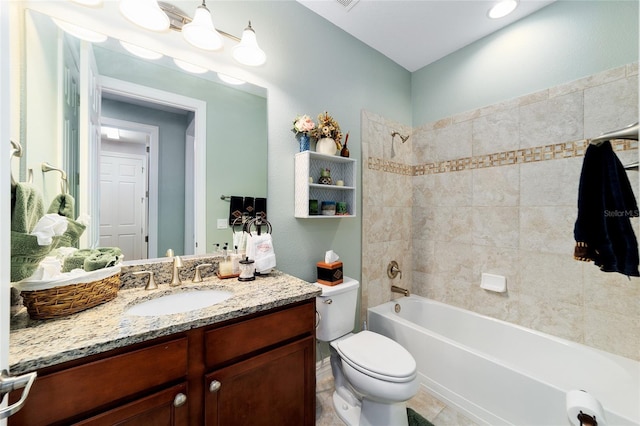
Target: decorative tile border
x,y
390,166
506,158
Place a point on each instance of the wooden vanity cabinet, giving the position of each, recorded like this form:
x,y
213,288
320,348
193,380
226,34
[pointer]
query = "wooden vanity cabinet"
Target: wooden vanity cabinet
x,y
257,370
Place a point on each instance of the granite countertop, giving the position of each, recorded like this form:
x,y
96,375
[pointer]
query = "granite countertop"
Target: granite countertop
x,y
35,344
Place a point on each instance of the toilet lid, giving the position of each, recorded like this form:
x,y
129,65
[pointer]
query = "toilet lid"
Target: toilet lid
x,y
377,356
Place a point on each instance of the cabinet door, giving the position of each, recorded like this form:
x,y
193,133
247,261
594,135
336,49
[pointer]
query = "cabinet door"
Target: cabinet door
x,y
165,408
274,388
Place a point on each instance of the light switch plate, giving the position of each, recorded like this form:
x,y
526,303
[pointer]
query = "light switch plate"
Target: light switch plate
x,y
223,224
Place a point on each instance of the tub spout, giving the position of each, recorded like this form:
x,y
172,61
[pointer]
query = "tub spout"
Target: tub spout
x,y
396,289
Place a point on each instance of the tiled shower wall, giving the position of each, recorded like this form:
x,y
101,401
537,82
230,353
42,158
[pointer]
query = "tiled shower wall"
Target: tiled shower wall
x,y
495,190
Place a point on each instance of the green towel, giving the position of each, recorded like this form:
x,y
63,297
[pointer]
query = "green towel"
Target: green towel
x,y
76,260
416,419
72,234
64,205
26,254
102,257
27,207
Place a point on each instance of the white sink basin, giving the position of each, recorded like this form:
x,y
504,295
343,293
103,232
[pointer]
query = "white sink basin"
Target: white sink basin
x,y
176,303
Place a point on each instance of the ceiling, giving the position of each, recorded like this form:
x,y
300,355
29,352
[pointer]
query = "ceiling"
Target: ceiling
x,y
415,33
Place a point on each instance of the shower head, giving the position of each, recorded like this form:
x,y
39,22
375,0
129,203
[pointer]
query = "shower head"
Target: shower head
x,y
403,138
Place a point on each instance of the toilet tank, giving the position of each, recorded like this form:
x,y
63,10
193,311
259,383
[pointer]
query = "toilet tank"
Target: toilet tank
x,y
337,308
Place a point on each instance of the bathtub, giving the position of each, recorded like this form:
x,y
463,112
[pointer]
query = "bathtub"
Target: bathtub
x,y
503,374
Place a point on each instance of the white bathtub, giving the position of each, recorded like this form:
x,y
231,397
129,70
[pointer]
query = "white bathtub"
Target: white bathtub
x,y
503,374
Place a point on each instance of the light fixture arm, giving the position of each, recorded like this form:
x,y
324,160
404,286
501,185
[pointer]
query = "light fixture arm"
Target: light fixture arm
x,y
178,19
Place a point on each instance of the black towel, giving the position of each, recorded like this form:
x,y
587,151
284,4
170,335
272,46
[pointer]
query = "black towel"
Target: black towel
x,y
249,208
603,231
260,205
235,208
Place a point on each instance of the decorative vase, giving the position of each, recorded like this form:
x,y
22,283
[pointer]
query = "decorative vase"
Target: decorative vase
x,y
345,151
326,146
303,139
325,177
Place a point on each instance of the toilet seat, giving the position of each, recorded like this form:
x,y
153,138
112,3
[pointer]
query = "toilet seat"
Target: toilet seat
x,y
377,356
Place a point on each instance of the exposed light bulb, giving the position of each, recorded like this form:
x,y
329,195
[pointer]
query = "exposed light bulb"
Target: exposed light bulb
x,y
247,52
141,51
145,13
200,32
79,32
189,67
502,9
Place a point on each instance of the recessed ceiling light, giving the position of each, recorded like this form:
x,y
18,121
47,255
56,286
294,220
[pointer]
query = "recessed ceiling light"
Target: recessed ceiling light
x,y
502,9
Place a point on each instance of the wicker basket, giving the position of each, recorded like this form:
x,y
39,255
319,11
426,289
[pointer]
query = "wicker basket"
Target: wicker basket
x,y
69,299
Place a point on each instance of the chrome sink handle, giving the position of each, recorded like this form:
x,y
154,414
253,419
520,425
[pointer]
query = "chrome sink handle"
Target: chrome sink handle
x,y
8,384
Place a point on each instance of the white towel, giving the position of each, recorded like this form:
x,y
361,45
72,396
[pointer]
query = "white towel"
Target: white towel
x,y
260,250
48,226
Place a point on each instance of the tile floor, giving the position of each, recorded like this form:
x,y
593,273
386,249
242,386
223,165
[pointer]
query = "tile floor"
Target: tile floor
x,y
423,403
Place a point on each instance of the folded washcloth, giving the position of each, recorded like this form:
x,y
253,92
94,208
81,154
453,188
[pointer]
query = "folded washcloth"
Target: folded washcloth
x,y
27,207
72,234
64,205
26,254
260,205
50,225
260,250
235,209
76,260
102,258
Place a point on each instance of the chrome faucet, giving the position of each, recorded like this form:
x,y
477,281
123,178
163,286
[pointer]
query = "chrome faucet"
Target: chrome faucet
x,y
396,289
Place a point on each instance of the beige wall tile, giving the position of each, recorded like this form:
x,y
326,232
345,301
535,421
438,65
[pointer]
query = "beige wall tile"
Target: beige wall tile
x,y
496,132
547,229
496,186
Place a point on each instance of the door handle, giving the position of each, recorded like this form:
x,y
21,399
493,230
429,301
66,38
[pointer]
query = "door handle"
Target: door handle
x,y
8,384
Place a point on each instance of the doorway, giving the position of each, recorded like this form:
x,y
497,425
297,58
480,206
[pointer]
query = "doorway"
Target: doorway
x,y
184,227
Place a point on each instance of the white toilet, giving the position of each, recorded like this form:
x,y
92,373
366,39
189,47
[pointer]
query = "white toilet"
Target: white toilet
x,y
374,376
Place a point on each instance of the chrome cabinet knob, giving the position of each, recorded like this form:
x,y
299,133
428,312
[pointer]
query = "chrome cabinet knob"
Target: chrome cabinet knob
x,y
214,386
179,400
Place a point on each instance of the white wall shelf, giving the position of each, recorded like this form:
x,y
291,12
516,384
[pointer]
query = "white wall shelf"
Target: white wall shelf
x,y
309,164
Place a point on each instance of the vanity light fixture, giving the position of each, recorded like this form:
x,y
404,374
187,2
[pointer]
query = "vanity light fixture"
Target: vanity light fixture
x,y
145,13
189,67
248,52
79,32
502,9
141,51
200,32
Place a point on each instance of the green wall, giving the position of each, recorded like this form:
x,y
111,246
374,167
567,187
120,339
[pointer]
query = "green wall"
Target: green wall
x,y
562,42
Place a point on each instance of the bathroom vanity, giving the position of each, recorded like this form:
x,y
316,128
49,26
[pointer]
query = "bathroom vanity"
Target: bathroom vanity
x,y
247,360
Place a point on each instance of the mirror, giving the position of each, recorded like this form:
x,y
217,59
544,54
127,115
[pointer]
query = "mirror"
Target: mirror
x,y
194,137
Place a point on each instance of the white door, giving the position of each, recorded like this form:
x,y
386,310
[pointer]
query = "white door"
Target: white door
x,y
123,204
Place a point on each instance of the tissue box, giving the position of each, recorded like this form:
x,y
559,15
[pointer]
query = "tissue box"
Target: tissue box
x,y
329,273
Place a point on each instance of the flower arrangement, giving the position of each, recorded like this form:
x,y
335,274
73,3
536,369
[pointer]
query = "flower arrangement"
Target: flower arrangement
x,y
303,124
328,128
